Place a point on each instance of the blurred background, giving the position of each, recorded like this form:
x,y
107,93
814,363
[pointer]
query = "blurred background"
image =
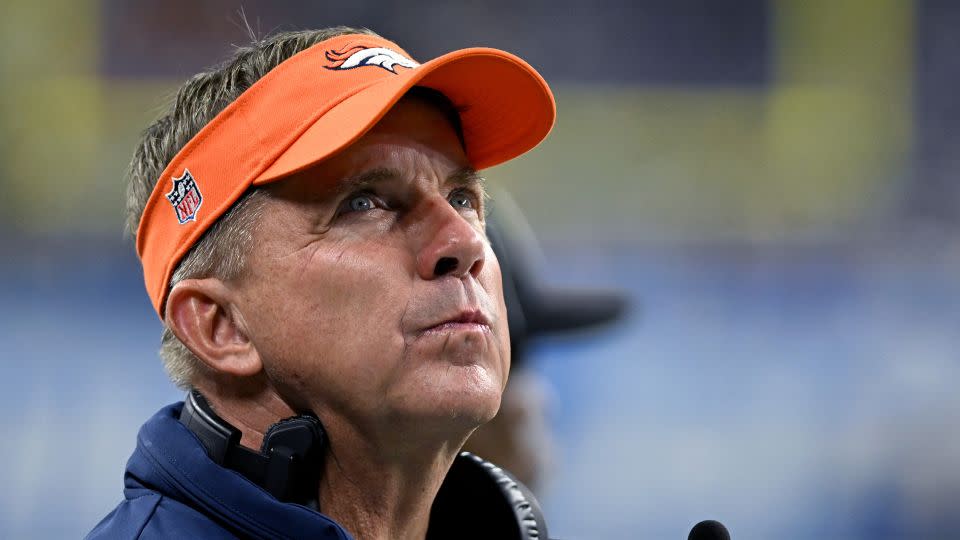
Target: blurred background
x,y
773,182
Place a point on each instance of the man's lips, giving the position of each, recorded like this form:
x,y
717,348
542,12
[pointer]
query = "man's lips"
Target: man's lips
x,y
466,320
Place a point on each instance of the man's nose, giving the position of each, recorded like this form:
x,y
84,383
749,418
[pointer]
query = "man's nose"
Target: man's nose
x,y
449,243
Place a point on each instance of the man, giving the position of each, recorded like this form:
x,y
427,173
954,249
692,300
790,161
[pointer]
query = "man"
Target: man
x,y
311,227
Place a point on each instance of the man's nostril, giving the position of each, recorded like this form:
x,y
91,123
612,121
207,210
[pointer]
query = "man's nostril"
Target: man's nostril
x,y
444,266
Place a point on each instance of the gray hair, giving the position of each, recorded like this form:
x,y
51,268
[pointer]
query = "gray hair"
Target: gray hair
x,y
221,251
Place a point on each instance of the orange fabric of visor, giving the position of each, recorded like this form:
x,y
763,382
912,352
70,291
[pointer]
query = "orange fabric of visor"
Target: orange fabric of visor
x,y
315,104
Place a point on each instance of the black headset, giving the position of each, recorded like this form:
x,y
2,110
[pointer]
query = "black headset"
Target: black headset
x,y
289,462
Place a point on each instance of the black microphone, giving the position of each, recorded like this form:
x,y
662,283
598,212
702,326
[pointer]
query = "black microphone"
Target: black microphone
x,y
709,530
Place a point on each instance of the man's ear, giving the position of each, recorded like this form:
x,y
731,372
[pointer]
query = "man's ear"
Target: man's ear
x,y
201,313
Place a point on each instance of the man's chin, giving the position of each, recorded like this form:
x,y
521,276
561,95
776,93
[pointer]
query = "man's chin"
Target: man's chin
x,y
461,400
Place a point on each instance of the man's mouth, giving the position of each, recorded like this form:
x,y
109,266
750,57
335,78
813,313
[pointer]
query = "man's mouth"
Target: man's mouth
x,y
472,320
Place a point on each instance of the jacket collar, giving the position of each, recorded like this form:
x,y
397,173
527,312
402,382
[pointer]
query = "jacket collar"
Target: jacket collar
x,y
476,500
169,459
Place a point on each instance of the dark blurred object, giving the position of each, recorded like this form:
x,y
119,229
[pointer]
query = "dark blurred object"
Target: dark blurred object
x,y
709,530
932,194
535,308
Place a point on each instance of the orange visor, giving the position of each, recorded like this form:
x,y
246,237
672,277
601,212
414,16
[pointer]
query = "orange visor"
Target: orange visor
x,y
312,106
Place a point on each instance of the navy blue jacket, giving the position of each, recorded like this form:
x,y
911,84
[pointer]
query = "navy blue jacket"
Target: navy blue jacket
x,y
172,489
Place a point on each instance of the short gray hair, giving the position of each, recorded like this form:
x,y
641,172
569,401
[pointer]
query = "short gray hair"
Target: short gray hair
x,y
221,251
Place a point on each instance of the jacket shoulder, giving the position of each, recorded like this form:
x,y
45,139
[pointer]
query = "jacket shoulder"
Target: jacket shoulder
x,y
153,516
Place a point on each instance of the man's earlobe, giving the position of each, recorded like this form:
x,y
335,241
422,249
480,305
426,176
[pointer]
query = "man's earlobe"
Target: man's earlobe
x,y
201,314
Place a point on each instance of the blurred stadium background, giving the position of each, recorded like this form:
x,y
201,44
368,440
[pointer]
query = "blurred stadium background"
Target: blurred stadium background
x,y
773,182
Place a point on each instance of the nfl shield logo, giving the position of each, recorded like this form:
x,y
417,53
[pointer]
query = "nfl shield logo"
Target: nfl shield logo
x,y
185,197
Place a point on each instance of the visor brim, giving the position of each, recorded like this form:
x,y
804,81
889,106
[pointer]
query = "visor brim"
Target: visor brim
x,y
506,109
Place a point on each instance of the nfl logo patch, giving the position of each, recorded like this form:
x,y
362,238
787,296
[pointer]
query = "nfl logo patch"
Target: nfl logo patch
x,y
185,197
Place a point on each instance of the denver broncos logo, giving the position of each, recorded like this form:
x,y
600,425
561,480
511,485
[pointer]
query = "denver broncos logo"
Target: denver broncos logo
x,y
359,56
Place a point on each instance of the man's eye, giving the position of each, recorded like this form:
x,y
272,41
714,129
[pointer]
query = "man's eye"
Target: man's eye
x,y
359,203
462,199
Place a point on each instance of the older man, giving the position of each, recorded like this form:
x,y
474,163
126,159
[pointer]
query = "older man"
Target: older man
x,y
311,226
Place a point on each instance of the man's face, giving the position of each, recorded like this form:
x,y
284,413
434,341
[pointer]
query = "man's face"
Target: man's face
x,y
372,295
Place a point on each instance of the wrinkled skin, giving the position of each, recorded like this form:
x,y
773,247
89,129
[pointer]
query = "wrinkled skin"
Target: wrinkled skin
x,y
377,302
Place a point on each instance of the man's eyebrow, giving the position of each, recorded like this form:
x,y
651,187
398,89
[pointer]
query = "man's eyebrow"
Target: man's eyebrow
x,y
466,176
367,179
469,177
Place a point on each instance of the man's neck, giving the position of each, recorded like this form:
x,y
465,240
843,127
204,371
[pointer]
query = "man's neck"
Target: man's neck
x,y
377,491
383,499
251,414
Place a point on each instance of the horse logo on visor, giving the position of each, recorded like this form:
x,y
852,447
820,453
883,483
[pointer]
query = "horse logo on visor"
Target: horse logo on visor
x,y
359,56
